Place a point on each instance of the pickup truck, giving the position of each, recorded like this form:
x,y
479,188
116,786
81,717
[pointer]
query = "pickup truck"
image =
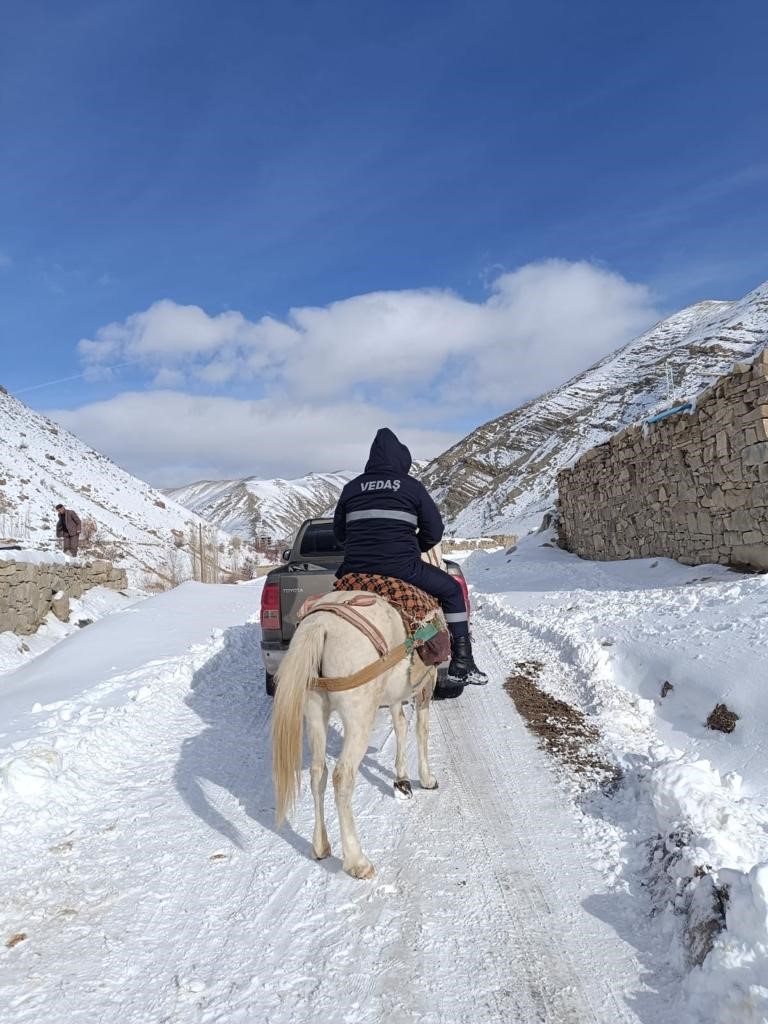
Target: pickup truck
x,y
308,569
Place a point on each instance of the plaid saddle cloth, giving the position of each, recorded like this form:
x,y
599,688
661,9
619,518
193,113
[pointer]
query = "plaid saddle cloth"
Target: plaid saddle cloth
x,y
414,605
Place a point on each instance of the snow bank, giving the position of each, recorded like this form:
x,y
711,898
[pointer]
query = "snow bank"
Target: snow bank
x,y
94,604
630,632
731,986
691,794
54,708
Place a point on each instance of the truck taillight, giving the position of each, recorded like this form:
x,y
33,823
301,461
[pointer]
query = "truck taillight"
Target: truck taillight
x,y
465,591
270,606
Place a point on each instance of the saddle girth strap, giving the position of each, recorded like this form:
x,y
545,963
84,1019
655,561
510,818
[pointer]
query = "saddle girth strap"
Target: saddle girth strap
x,y
365,675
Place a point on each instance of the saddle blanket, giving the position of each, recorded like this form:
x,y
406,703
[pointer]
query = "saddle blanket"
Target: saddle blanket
x,y
414,605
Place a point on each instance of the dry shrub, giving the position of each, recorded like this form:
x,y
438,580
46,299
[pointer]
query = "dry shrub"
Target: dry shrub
x,y
722,719
88,531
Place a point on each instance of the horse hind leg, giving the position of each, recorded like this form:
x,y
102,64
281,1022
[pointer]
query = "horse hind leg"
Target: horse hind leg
x,y
317,714
402,782
423,697
357,729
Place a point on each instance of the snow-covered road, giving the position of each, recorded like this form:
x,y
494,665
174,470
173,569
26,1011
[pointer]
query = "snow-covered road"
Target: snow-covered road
x,y
143,880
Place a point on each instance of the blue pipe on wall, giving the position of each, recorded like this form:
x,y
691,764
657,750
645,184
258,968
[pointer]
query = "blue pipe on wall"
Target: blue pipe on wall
x,y
670,412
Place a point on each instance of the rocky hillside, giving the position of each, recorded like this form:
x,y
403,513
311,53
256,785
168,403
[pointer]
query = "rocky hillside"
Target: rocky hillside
x,y
269,509
501,477
42,464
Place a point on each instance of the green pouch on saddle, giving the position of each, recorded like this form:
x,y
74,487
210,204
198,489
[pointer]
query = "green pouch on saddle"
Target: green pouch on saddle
x,y
435,648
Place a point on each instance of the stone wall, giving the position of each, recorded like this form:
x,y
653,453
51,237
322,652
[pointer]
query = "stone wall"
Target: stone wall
x,y
28,590
693,486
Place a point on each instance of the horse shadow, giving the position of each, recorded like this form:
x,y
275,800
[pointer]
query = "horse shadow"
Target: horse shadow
x,y
233,752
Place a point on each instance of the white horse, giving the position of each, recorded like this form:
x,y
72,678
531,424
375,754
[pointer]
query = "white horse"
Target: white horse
x,y
328,646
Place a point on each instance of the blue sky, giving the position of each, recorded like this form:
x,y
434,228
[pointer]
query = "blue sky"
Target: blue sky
x,y
425,161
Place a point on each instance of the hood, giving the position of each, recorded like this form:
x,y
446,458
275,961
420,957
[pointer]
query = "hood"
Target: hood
x,y
388,455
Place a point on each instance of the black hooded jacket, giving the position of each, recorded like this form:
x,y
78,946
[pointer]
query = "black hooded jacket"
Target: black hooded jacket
x,y
384,517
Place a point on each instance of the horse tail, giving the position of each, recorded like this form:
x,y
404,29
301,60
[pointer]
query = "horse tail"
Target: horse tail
x,y
299,666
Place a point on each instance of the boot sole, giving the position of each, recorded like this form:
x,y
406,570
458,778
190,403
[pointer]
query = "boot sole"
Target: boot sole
x,y
468,680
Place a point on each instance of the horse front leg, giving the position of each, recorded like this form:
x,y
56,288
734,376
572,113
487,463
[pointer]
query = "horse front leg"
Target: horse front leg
x,y
402,782
357,729
422,700
316,715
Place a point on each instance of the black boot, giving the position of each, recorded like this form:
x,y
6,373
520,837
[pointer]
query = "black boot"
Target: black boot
x,y
462,668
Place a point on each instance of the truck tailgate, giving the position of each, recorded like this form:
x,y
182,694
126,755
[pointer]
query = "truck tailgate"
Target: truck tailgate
x,y
295,588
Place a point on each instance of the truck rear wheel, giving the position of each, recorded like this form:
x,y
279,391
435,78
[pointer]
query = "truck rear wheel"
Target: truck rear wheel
x,y
270,684
445,690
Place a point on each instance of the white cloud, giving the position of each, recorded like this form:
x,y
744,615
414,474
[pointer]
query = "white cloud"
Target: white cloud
x,y
170,437
538,325
167,331
329,376
558,318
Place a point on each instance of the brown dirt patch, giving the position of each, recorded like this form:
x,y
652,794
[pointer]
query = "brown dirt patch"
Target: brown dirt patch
x,y
562,730
722,718
15,939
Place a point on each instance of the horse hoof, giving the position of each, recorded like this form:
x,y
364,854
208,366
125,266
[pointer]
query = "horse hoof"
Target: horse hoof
x,y
365,870
323,853
404,788
431,783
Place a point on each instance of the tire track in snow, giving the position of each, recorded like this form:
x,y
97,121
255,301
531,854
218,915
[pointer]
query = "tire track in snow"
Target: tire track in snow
x,y
518,823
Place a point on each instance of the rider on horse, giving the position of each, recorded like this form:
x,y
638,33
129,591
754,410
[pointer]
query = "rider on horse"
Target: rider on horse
x,y
385,519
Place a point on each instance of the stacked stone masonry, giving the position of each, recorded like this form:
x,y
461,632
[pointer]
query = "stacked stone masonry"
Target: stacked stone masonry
x,y
693,486
28,590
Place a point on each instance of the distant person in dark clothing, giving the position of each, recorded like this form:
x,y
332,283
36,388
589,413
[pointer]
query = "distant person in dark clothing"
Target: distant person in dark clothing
x,y
385,519
68,529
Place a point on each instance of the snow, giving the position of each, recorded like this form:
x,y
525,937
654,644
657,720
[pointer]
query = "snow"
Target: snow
x,y
28,774
145,879
94,604
37,557
148,882
90,672
621,630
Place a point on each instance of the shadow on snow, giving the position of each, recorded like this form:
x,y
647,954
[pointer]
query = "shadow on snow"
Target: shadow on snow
x,y
234,752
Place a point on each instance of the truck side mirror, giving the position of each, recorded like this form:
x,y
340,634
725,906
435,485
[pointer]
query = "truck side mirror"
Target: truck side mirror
x,y
286,556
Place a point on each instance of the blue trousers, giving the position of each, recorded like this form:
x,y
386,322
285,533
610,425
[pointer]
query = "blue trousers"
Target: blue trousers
x,y
447,591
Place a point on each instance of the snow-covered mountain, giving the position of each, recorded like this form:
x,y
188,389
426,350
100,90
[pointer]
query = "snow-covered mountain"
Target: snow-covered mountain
x,y
42,464
501,477
270,509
